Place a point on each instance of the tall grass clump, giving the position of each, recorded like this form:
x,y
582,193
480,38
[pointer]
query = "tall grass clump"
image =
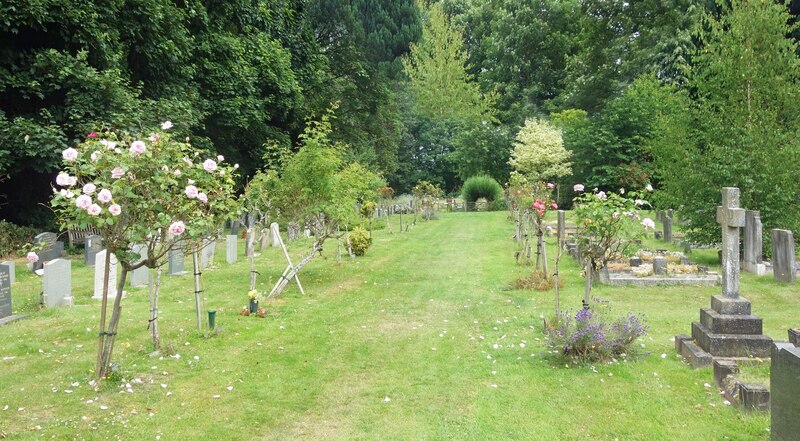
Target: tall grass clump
x,y
481,186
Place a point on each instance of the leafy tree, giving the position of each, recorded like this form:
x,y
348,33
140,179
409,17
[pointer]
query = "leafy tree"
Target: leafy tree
x,y
482,149
743,124
539,153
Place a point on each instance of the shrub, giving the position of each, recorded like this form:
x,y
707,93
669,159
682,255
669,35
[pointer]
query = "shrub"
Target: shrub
x,y
590,336
359,241
481,186
537,280
14,237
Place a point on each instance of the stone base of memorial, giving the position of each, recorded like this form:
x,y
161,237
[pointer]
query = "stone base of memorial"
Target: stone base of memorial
x,y
785,385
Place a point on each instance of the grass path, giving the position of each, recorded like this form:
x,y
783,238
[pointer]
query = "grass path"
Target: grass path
x,y
418,340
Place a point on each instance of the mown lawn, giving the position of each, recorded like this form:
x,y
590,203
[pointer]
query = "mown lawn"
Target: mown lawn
x,y
420,339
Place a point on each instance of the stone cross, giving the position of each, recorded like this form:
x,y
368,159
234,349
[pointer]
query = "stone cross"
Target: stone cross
x,y
731,217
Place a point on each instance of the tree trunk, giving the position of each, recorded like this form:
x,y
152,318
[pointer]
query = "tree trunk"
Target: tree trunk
x,y
98,368
153,323
253,273
196,266
113,326
587,290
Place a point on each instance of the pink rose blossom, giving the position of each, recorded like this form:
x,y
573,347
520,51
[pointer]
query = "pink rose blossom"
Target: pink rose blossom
x,y
621,191
190,181
550,185
166,125
115,209
95,156
602,196
578,187
92,135
117,173
177,228
104,196
220,158
89,188
202,197
137,148
109,145
94,209
153,137
33,257
187,161
222,172
83,202
191,191
70,154
638,202
209,165
649,187
63,179
176,172
648,223
553,205
235,165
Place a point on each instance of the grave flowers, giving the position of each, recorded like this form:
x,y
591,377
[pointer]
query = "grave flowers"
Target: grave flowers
x,y
254,296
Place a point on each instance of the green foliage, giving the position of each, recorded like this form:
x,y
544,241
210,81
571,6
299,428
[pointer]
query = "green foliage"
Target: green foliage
x,y
359,241
481,186
539,152
482,149
740,127
368,209
14,238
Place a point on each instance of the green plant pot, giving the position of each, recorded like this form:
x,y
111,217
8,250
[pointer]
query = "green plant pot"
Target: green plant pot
x,y
212,316
253,306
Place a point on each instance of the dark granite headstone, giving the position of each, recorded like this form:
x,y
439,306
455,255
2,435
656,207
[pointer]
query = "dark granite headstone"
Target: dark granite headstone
x,y
784,382
46,243
783,257
667,224
635,261
5,292
12,270
93,245
176,261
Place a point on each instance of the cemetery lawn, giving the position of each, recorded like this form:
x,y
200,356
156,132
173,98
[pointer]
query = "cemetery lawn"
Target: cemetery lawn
x,y
419,339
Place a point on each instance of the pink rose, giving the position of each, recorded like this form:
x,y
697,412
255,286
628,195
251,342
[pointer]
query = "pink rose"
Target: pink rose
x,y
553,205
137,148
166,125
177,228
153,137
187,161
95,156
649,187
63,179
83,202
94,209
602,196
33,257
89,188
220,158
638,202
202,197
117,173
92,135
104,196
648,223
578,188
109,145
191,191
235,165
115,209
210,165
176,172
550,185
70,154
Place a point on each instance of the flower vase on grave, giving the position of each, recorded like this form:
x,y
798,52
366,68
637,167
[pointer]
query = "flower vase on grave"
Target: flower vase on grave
x,y
253,306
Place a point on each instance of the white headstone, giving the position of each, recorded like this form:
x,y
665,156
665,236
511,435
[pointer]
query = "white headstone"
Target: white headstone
x,y
231,248
275,230
140,276
99,275
57,281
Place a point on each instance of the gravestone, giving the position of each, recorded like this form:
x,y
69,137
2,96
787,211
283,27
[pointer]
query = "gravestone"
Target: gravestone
x,y
753,248
264,238
727,329
12,270
562,224
92,246
5,292
231,249
250,243
784,379
275,230
660,266
57,283
49,248
235,228
140,276
667,224
176,258
207,252
783,259
635,262
99,276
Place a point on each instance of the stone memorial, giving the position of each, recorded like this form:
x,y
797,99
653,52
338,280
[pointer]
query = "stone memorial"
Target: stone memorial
x,y
753,248
784,265
275,231
231,249
49,248
176,258
92,246
250,243
140,276
235,228
5,292
207,253
727,329
660,266
99,275
635,262
12,270
57,283
667,224
784,382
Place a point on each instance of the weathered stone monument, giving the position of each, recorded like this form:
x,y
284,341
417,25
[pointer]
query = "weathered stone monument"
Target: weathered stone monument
x,y
784,379
784,265
235,227
5,292
57,283
275,232
727,329
753,247
140,276
250,242
12,270
660,266
667,224
176,261
231,249
99,275
92,246
49,248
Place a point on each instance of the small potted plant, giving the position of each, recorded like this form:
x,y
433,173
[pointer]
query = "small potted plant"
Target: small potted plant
x,y
254,296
